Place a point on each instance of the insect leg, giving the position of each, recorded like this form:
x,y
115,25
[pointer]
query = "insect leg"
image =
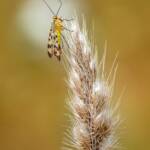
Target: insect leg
x,y
68,19
65,40
67,29
62,44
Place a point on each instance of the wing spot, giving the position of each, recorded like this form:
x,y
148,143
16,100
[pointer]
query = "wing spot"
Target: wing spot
x,y
49,46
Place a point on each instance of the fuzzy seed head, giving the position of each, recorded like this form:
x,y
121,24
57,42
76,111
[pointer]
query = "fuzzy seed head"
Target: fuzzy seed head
x,y
92,122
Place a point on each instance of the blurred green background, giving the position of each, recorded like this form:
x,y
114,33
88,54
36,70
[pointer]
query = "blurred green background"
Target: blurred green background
x,y
32,87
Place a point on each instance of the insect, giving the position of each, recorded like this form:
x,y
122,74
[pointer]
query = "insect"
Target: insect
x,y
56,38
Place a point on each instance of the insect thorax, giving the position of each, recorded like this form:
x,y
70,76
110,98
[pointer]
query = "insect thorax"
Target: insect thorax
x,y
58,24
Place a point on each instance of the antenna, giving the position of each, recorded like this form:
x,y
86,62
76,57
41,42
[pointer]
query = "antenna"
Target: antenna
x,y
59,7
49,7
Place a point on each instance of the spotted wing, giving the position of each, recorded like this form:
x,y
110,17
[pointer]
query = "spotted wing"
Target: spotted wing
x,y
51,43
55,44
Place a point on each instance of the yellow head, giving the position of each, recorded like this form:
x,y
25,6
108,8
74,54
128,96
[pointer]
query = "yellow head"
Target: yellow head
x,y
58,23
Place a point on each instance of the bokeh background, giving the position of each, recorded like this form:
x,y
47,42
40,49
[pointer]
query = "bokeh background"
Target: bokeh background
x,y
32,87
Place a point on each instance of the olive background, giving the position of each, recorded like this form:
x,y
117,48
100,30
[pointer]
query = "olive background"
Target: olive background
x,y
33,90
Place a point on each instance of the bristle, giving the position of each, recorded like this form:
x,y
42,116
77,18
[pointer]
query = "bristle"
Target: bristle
x,y
93,125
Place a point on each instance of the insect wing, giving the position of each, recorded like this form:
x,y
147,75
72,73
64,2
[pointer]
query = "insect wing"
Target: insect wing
x,y
54,47
51,42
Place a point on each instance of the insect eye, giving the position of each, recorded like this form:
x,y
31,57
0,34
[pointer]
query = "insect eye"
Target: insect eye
x,y
55,17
